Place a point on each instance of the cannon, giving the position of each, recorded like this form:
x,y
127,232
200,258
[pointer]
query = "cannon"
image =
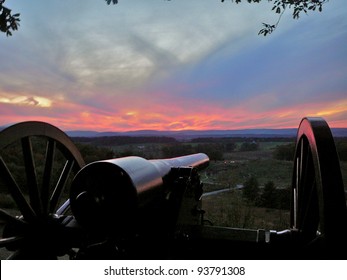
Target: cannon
x,y
134,208
110,193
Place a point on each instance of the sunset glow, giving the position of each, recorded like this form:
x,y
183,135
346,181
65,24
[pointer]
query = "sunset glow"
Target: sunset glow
x,y
172,65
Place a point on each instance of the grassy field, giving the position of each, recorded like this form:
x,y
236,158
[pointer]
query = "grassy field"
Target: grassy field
x,y
233,173
228,208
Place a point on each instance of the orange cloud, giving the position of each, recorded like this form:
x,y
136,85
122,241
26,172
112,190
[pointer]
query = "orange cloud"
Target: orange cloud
x,y
180,115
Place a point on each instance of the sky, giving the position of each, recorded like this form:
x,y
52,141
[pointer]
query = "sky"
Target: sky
x,y
172,65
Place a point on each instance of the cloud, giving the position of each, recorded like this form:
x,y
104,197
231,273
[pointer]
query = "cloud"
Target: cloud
x,y
27,101
172,65
279,70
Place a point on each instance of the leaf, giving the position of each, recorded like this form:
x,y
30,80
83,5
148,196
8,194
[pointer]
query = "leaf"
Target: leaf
x,y
113,1
268,29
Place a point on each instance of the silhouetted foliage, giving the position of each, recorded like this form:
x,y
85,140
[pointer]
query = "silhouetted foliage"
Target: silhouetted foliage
x,y
91,153
269,197
113,1
177,150
341,147
283,198
251,190
123,140
226,144
275,198
284,152
129,152
230,147
268,29
10,22
213,150
280,6
249,146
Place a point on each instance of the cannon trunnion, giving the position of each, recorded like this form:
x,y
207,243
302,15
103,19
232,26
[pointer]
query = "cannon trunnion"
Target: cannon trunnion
x,y
134,208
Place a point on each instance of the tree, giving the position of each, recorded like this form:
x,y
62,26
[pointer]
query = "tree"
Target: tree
x,y
213,150
341,147
177,150
9,22
251,189
92,153
249,146
230,147
284,152
269,196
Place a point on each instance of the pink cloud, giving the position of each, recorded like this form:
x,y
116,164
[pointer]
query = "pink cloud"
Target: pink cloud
x,y
173,113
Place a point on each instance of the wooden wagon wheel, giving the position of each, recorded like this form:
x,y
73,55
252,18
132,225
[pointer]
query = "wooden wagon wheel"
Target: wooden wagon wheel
x,y
318,211
48,160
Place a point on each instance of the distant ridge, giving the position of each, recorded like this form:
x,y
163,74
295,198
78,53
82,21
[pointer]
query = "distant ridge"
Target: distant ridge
x,y
189,134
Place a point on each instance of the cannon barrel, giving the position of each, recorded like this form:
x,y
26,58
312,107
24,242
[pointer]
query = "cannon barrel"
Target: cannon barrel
x,y
107,194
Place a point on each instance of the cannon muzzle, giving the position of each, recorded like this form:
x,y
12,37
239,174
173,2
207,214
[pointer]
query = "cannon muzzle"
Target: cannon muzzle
x,y
107,195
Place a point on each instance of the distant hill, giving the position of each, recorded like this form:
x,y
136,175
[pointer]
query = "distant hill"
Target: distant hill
x,y
190,134
186,134
339,132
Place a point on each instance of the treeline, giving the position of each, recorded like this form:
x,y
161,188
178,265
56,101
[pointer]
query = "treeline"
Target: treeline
x,y
286,151
123,140
213,150
341,147
92,153
240,139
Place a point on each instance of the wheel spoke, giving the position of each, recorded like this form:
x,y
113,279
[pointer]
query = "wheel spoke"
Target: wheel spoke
x,y
15,255
10,219
17,195
303,177
295,196
60,185
31,175
300,182
10,241
297,186
310,217
309,214
304,172
47,173
64,207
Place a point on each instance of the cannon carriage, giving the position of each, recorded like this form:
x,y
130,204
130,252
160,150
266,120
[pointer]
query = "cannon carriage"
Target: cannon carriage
x,y
133,208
